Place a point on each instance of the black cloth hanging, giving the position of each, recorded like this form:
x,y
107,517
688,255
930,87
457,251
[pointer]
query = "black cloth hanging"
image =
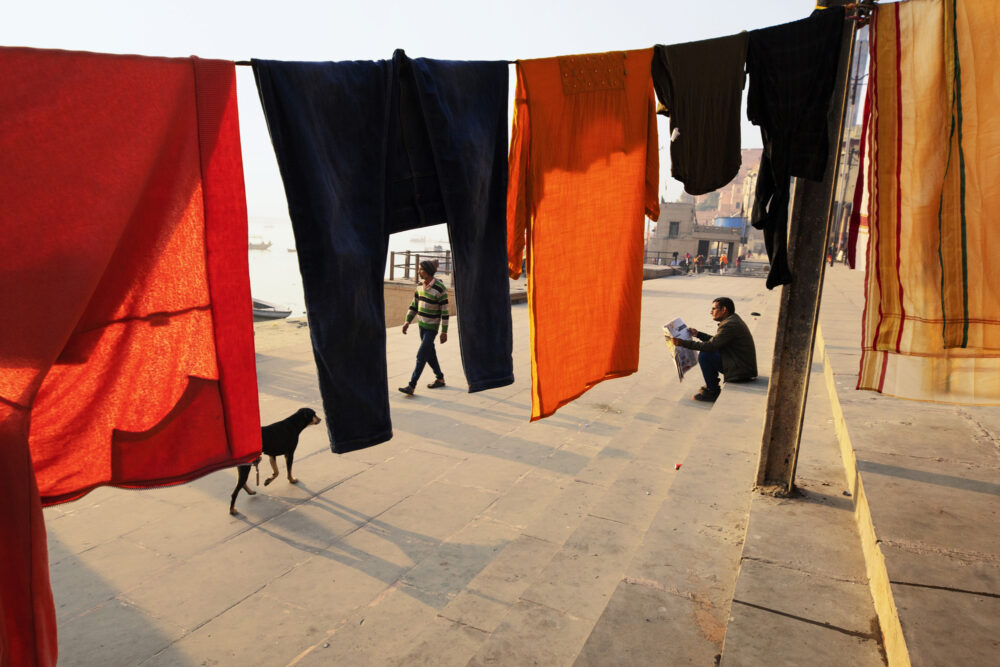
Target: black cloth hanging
x,y
700,85
793,69
366,149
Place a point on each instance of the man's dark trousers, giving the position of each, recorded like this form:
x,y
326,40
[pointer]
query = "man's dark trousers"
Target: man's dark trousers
x,y
711,368
426,354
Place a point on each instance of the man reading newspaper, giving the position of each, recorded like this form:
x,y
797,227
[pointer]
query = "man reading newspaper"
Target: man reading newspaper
x,y
730,351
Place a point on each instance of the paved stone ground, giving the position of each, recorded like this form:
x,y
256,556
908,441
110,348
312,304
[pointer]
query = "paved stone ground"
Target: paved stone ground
x,y
927,481
802,596
473,537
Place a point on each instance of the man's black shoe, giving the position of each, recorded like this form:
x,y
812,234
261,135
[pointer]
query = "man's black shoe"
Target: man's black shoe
x,y
707,395
408,390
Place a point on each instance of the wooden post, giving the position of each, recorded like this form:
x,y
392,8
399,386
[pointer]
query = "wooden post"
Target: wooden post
x,y
406,273
416,268
811,205
392,264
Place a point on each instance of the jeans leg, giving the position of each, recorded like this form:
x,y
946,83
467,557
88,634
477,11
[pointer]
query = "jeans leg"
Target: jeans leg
x,y
432,356
324,165
466,116
422,354
711,367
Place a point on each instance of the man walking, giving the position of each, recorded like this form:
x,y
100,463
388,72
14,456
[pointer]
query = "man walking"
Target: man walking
x,y
430,307
730,351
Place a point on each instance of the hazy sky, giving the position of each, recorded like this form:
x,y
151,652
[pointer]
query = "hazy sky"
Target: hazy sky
x,y
300,30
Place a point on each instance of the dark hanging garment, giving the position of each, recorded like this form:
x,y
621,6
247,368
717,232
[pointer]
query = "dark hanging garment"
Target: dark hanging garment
x,y
793,69
700,85
367,149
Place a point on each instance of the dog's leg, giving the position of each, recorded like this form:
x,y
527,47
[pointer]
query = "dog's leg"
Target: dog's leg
x,y
288,467
274,470
243,473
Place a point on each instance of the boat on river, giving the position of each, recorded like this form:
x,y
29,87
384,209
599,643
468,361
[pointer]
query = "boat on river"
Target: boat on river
x,y
265,310
258,243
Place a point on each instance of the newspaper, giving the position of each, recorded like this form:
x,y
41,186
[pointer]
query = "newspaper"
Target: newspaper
x,y
684,358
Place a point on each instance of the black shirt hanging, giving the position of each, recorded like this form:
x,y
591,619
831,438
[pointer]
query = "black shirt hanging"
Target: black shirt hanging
x,y
792,68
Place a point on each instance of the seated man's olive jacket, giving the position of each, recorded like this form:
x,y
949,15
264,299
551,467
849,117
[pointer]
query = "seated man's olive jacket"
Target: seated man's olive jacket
x,y
734,342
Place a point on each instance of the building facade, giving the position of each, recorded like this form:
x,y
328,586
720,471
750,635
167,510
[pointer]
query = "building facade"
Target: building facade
x,y
679,231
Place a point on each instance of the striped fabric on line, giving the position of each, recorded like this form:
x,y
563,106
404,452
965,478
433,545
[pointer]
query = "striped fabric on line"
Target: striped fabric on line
x,y
931,327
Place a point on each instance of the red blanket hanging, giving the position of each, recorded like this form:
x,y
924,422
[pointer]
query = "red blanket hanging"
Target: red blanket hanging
x,y
126,352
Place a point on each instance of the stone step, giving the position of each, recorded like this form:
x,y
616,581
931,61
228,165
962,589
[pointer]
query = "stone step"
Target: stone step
x,y
671,603
557,607
475,576
528,577
802,594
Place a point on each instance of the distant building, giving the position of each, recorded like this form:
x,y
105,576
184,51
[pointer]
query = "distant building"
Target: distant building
x,y
728,201
700,227
679,230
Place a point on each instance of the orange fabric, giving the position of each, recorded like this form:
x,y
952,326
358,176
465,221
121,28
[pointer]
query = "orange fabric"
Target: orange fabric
x,y
126,350
584,170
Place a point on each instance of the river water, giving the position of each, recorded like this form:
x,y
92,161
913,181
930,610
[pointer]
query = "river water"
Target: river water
x,y
274,273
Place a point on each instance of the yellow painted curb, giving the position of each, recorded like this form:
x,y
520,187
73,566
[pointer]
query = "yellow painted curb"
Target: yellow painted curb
x,y
878,577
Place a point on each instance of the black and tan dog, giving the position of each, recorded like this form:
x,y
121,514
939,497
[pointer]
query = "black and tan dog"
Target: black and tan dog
x,y
277,439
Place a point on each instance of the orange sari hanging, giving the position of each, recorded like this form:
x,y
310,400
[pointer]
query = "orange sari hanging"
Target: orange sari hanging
x,y
584,170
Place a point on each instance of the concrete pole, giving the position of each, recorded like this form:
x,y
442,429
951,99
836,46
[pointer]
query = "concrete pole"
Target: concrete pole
x,y
809,228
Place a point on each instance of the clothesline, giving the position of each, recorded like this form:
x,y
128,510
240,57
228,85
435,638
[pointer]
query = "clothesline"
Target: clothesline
x,y
864,7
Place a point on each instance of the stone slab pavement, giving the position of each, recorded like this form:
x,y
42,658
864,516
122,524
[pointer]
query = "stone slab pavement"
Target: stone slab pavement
x,y
609,533
925,480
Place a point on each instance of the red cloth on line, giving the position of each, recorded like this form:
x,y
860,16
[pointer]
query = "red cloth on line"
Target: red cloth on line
x,y
126,350
584,169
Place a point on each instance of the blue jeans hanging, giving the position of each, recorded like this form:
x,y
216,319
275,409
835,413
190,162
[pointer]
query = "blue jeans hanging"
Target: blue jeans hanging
x,y
366,149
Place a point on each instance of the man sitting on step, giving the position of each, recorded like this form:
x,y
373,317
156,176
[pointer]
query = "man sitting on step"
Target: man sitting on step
x,y
730,351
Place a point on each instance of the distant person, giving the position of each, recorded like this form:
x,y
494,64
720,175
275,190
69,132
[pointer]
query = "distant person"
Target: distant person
x,y
730,351
675,258
430,307
698,262
723,263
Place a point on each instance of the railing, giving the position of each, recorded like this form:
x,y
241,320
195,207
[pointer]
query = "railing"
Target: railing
x,y
658,257
409,260
709,265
